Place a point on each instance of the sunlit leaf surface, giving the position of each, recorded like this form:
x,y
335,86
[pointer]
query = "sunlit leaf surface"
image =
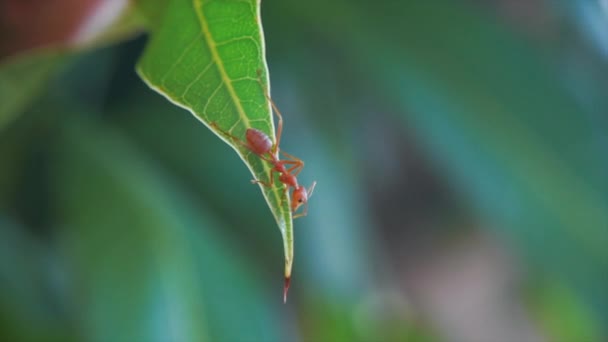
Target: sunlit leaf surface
x,y
205,57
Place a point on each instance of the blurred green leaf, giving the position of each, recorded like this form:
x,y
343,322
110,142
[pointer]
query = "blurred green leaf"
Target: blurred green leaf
x,y
200,60
516,142
493,110
145,262
152,12
22,78
26,282
224,173
25,75
345,322
562,314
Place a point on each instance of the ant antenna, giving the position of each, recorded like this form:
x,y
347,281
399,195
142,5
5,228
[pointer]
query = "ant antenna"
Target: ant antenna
x,y
311,189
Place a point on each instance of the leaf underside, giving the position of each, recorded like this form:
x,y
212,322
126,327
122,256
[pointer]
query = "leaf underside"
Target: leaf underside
x,y
205,58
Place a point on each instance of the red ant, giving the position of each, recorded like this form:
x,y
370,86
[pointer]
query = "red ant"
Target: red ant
x,y
259,143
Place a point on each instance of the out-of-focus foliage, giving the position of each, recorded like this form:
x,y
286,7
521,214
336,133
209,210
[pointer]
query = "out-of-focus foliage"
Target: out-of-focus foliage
x,y
25,74
22,79
172,289
460,150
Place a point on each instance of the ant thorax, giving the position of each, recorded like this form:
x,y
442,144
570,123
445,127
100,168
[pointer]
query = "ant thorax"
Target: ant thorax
x,y
289,179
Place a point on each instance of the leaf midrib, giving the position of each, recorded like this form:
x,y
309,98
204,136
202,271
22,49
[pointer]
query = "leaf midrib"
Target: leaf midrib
x,y
198,7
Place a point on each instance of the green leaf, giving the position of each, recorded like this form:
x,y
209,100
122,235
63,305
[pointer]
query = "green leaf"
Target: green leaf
x,y
24,76
205,57
22,79
26,269
152,12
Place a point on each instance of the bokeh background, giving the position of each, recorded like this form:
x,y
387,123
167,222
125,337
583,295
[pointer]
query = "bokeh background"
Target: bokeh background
x,y
460,150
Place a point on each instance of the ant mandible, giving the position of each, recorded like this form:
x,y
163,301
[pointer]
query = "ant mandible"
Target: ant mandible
x,y
259,143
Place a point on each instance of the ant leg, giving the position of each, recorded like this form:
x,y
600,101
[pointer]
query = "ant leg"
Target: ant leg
x,y
236,139
291,157
242,143
303,213
299,164
246,145
267,184
276,112
279,126
297,168
294,160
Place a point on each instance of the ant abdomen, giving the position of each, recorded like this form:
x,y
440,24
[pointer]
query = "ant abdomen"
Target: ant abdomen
x,y
258,141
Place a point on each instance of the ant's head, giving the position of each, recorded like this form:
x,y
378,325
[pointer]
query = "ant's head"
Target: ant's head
x,y
300,196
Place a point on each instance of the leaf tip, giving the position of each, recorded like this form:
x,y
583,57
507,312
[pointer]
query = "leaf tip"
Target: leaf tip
x,y
286,288
288,266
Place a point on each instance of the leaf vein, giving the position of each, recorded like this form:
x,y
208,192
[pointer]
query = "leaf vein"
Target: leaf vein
x,y
196,79
179,59
211,97
198,6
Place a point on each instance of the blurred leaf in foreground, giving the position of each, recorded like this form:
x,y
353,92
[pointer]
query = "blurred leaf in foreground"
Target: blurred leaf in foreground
x,y
22,79
513,138
201,60
24,74
494,112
